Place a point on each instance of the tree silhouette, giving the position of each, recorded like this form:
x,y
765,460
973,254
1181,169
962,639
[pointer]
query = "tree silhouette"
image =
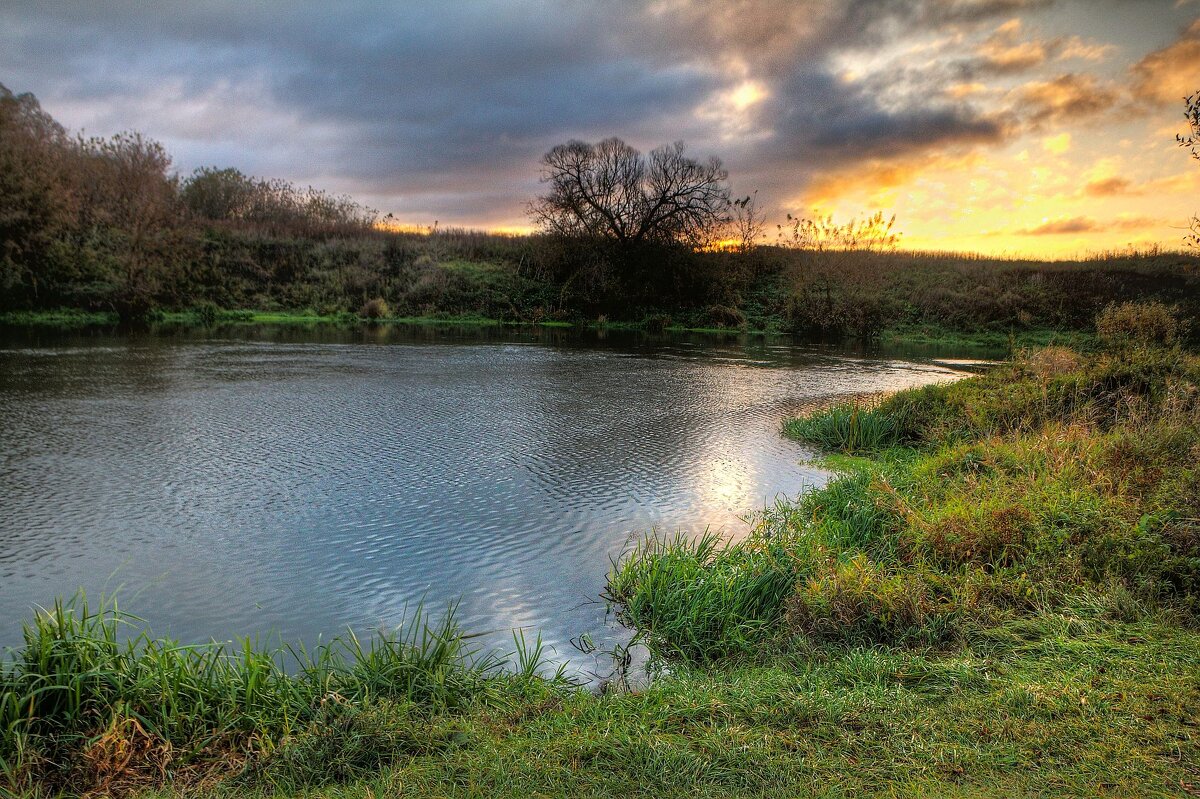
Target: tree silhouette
x,y
611,191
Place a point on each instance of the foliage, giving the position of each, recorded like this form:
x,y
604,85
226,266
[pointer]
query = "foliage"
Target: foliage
x,y
103,226
1133,323
1191,113
1192,142
822,234
611,191
1065,703
699,600
747,223
375,309
850,427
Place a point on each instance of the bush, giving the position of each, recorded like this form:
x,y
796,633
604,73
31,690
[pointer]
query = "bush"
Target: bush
x,y
375,309
207,313
1139,323
656,323
859,601
723,316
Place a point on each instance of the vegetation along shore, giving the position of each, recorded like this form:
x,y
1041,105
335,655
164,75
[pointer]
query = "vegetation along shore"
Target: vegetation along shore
x,y
996,596
101,230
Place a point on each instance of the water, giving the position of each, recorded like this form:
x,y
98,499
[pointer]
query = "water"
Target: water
x,y
290,484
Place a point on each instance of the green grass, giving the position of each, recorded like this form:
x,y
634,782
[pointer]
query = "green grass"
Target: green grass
x,y
1064,705
90,683
986,340
64,318
928,340
850,427
998,595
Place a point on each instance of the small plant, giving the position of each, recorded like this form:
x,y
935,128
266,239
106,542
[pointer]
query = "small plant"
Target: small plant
x,y
701,599
345,741
859,601
207,313
375,309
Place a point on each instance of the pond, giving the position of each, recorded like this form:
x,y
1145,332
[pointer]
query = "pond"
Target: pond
x,y
292,483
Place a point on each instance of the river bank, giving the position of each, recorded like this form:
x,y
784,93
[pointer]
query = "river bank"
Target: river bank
x,y
934,337
997,597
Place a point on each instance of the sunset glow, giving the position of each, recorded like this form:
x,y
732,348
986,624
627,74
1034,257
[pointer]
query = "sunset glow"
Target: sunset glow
x,y
1030,127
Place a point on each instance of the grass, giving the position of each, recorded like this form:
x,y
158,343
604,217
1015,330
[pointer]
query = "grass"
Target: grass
x,y
93,701
851,427
998,595
1064,705
987,340
931,338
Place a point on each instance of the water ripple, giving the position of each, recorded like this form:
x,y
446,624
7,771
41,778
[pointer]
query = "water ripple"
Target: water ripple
x,y
247,487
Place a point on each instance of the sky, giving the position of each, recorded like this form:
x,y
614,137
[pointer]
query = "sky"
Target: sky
x,y
1019,127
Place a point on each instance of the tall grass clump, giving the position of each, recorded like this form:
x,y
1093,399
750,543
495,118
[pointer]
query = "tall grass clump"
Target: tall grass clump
x,y
701,599
94,701
847,427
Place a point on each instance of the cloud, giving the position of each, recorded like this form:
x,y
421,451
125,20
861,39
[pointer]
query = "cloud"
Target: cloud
x,y
1084,224
441,110
1166,76
1005,51
1109,187
1067,98
1009,51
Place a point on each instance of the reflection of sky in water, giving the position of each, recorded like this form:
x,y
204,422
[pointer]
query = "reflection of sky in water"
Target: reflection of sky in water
x,y
241,487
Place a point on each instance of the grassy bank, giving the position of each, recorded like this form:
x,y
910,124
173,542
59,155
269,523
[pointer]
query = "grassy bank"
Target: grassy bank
x,y
999,596
932,337
1070,702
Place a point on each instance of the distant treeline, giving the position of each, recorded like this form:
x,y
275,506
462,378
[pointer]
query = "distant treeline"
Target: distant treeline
x,y
105,224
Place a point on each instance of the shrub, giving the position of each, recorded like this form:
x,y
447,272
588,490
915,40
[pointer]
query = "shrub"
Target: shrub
x,y
656,323
859,601
207,313
723,316
375,309
1139,323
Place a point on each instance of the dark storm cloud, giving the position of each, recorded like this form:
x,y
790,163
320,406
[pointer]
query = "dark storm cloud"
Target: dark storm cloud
x,y
822,118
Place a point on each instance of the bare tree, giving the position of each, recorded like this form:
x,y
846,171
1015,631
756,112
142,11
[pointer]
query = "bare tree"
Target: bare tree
x,y
748,223
1191,113
1192,142
610,190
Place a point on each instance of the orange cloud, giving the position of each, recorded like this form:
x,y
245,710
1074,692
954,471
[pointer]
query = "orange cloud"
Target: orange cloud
x,y
1109,187
1084,224
1066,98
1004,51
1166,76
